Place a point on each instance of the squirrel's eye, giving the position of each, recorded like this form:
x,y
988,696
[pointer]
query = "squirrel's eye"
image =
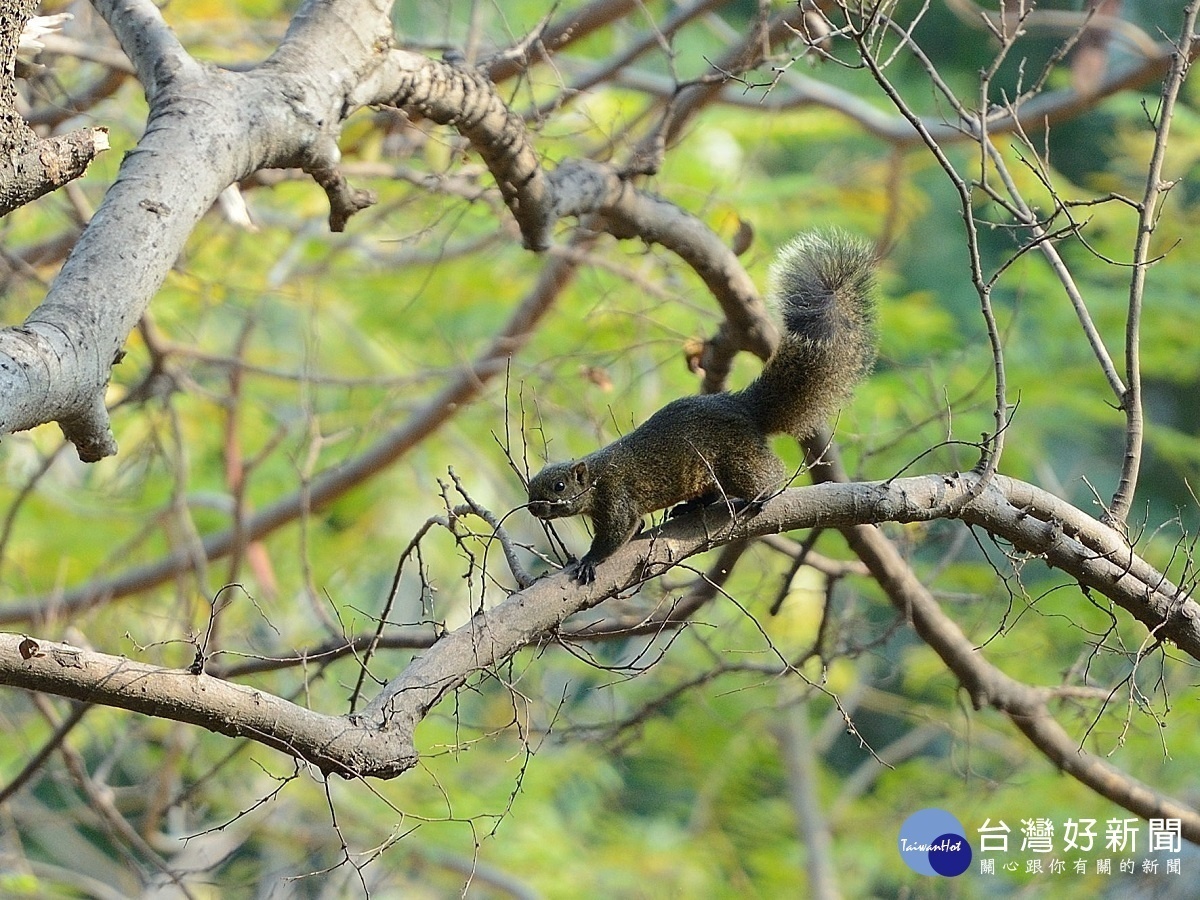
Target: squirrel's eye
x,y
559,486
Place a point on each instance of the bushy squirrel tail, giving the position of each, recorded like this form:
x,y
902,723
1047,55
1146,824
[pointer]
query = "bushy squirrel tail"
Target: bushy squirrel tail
x,y
821,285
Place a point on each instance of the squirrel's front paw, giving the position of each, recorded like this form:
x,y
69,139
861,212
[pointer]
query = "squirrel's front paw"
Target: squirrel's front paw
x,y
584,571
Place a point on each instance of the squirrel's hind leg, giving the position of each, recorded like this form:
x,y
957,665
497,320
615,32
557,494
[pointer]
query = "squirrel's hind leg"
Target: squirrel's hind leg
x,y
749,479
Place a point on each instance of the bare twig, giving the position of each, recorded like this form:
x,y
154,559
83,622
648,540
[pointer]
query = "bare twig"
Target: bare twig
x,y
1148,211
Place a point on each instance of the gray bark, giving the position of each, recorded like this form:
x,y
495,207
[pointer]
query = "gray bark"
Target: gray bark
x,y
31,167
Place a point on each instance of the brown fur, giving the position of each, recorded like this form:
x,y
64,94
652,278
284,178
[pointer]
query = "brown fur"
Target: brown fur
x,y
713,447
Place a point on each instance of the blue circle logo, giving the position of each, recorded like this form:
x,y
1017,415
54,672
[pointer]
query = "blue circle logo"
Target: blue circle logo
x,y
933,842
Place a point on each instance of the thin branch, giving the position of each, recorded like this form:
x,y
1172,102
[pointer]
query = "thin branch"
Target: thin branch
x,y
413,637
1148,211
863,36
797,91
804,790
333,483
35,762
558,35
605,72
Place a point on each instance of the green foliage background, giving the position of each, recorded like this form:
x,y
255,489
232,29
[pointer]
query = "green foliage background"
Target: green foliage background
x,y
572,776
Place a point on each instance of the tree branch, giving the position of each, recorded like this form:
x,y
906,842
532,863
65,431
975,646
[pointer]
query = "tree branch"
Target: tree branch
x,y
1148,212
796,91
1032,520
48,165
332,743
379,742
206,129
332,483
157,56
1025,706
31,167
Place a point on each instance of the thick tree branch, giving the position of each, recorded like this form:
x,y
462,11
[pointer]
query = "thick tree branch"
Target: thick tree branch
x,y
58,363
1033,520
1039,524
206,129
463,97
56,367
60,360
379,742
1085,548
15,135
332,743
47,165
1025,706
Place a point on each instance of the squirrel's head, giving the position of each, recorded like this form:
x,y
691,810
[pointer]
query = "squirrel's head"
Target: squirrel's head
x,y
560,489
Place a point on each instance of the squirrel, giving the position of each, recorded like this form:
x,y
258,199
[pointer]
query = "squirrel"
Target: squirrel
x,y
710,448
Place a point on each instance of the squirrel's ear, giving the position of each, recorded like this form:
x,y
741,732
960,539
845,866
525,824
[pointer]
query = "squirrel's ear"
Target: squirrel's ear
x,y
579,471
